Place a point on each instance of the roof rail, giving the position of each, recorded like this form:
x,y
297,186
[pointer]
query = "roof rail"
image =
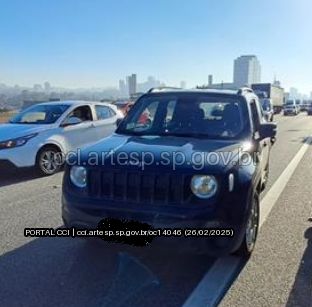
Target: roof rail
x,y
163,88
243,90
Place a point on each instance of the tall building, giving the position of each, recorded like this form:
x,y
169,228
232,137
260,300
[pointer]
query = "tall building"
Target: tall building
x,y
47,86
210,80
293,93
122,87
183,84
247,70
132,84
148,84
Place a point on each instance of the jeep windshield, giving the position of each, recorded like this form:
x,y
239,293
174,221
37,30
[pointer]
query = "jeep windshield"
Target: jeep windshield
x,y
187,115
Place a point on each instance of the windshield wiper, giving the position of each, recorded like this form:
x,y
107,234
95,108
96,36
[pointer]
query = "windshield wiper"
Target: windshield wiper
x,y
185,135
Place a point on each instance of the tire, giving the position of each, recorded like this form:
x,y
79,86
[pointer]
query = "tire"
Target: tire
x,y
49,161
251,229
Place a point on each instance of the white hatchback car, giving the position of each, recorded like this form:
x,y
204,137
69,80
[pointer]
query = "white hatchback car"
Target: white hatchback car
x,y
37,135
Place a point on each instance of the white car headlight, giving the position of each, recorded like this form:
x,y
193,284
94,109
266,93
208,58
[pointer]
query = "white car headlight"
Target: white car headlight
x,y
204,186
17,142
78,176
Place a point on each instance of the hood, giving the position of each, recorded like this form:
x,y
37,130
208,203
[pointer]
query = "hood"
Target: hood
x,y
162,153
13,131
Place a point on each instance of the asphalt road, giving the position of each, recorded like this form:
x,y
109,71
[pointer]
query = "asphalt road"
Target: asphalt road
x,y
73,272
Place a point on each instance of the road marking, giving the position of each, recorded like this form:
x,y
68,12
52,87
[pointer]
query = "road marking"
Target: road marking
x,y
217,280
278,187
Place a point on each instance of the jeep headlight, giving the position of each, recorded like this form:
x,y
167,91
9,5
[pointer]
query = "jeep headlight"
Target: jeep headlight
x,y
78,176
204,186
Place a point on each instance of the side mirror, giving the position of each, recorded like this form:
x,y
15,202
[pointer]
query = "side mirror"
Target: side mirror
x,y
266,116
267,130
70,121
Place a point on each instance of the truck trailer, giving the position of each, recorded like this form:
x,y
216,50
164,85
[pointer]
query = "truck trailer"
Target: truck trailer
x,y
270,91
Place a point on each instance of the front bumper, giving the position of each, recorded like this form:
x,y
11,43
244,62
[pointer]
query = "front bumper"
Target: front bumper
x,y
87,217
287,112
23,156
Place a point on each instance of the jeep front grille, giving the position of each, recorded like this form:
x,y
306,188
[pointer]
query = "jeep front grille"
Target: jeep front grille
x,y
139,187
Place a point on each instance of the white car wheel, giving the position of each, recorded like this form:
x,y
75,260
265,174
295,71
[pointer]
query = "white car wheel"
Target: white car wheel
x,y
49,161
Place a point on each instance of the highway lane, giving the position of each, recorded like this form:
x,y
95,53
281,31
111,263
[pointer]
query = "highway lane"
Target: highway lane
x,y
72,272
279,272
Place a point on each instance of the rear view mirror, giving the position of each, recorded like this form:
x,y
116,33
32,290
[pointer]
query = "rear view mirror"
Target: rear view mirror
x,y
70,121
267,130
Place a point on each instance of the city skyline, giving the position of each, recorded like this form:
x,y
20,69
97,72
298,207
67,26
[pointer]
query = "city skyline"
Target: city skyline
x,y
123,89
80,48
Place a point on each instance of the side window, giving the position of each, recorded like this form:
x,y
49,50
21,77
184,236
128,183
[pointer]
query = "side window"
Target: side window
x,y
112,112
255,114
104,112
83,113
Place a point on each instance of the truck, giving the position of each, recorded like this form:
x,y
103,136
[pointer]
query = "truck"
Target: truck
x,y
270,91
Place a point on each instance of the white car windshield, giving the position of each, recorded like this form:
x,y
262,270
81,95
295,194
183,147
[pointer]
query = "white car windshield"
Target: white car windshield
x,y
40,114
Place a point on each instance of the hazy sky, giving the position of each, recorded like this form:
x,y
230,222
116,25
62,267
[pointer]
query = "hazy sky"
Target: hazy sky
x,y
86,43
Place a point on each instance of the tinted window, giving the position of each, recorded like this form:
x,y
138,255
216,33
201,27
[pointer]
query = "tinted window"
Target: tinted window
x,y
103,112
187,115
40,114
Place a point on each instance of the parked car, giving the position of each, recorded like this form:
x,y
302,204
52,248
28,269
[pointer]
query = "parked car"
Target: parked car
x,y
291,108
305,106
267,107
163,191
309,108
299,104
42,134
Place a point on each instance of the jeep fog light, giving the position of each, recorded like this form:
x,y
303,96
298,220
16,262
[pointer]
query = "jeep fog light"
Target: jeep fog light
x,y
78,176
204,186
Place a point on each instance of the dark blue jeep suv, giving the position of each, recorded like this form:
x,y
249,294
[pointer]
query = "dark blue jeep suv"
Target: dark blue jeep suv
x,y
180,159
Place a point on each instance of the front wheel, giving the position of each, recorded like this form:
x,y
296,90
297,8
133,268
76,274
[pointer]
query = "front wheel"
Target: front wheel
x,y
49,161
251,230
